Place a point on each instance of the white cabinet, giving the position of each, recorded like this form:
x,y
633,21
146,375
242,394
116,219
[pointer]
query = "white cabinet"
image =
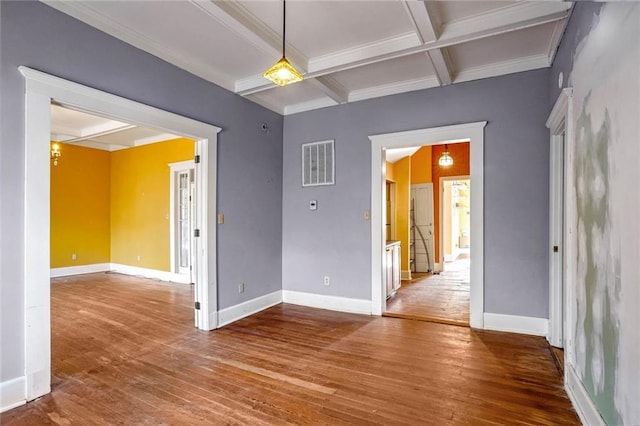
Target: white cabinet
x,y
392,267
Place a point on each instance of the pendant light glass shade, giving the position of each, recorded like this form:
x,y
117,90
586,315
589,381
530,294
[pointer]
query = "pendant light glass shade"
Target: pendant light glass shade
x,y
283,73
445,159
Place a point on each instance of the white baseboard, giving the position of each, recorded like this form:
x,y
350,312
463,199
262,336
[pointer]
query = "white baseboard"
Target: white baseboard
x,y
581,400
80,269
150,273
250,307
516,324
405,275
12,394
333,303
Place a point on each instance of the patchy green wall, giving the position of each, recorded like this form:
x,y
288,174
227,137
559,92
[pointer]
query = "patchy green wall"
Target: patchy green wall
x,y
604,205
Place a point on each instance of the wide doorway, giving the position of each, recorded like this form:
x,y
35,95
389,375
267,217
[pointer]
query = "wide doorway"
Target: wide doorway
x,y
428,223
41,90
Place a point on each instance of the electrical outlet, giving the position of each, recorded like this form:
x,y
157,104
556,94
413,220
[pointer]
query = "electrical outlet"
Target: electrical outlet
x,y
327,281
241,288
74,256
367,215
220,219
138,257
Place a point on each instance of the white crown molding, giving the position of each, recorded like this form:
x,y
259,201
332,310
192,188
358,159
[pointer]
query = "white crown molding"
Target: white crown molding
x,y
505,19
330,87
393,88
308,106
321,301
503,68
363,54
88,15
580,398
516,324
12,393
99,145
259,99
441,64
250,307
556,38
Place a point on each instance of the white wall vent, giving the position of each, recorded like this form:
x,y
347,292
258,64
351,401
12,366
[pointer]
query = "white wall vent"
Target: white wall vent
x,y
318,161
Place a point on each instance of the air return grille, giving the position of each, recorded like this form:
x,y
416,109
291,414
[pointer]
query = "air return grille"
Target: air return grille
x,y
318,163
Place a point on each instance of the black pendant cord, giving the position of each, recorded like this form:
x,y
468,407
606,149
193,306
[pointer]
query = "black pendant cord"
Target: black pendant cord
x,y
284,24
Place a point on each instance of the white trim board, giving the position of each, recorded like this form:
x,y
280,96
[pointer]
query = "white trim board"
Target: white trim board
x,y
40,90
150,273
516,324
12,394
250,307
322,301
469,132
66,271
581,400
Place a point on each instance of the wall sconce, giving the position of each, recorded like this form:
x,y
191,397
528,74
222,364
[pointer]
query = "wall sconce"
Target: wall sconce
x,y
55,153
445,159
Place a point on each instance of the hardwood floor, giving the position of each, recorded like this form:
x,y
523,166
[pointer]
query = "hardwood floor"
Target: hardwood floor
x,y
442,298
125,352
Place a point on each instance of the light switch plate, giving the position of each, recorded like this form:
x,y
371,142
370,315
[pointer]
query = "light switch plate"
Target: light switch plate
x,y
313,205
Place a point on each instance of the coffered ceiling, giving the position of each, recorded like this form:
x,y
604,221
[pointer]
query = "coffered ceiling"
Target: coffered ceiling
x,y
347,50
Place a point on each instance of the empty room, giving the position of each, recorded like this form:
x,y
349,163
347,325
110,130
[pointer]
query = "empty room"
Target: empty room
x,y
263,296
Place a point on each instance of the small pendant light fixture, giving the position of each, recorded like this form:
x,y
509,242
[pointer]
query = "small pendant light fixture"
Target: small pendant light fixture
x,y
445,159
55,153
283,73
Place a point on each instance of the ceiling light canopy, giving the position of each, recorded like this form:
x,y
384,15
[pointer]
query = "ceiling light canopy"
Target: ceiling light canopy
x,y
445,159
283,73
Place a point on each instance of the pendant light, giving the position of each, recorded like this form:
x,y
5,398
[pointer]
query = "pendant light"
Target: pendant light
x,y
445,159
283,73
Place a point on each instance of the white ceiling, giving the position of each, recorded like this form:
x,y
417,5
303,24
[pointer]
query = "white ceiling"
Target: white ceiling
x,y
394,154
348,50
79,128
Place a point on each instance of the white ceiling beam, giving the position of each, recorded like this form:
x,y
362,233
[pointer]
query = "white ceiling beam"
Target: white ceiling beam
x,y
442,65
506,19
108,129
425,24
330,87
239,20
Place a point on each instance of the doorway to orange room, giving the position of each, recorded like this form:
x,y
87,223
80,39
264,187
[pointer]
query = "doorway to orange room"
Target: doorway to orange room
x,y
437,285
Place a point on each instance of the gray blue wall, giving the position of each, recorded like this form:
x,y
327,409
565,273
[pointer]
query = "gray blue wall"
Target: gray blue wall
x,y
250,162
335,239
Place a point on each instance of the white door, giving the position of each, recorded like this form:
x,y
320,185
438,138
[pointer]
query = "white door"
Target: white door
x,y
556,233
182,224
421,231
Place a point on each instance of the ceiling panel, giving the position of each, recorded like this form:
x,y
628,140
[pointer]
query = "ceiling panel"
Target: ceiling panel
x,y
189,33
504,47
318,28
352,50
394,70
448,11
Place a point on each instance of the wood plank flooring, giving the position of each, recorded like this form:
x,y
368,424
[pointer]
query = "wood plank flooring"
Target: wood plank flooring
x,y
442,298
125,352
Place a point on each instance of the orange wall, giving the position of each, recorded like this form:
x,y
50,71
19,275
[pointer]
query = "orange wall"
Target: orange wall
x,y
421,166
140,207
390,171
80,217
461,167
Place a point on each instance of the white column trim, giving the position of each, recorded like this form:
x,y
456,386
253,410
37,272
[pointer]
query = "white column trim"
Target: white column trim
x,y
469,132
